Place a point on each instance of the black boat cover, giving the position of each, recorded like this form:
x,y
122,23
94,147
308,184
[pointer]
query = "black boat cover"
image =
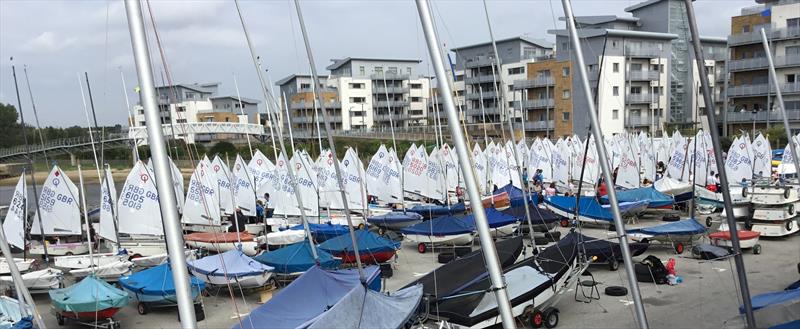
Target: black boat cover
x,y
605,250
525,280
450,278
539,216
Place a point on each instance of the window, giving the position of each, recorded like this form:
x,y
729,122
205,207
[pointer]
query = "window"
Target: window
x,y
616,67
180,121
142,123
565,94
636,66
516,70
180,109
615,114
416,99
636,90
356,86
565,71
408,70
189,95
459,77
361,70
416,86
377,70
391,70
791,78
745,28
793,23
615,90
510,87
793,50
305,85
358,100
565,116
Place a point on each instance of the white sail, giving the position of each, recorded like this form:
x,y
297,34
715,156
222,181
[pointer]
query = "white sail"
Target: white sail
x,y
264,176
481,167
699,157
498,164
14,224
108,209
139,210
306,182
522,154
451,168
374,176
514,165
435,181
353,177
787,161
628,172
202,203
738,165
561,163
223,188
762,154
58,206
392,176
676,168
242,189
177,184
415,165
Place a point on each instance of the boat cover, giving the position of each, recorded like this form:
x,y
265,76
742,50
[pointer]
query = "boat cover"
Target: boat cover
x,y
368,242
605,250
515,194
539,216
671,186
447,225
589,207
218,237
236,264
632,207
433,210
450,278
296,258
322,232
779,309
285,237
524,282
394,217
157,281
305,298
88,295
494,217
9,312
682,227
364,308
655,198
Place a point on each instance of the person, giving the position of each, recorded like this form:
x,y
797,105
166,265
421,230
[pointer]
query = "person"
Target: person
x,y
743,183
460,194
524,175
716,182
710,182
238,222
602,189
646,182
267,209
660,169
259,210
614,175
551,190
539,177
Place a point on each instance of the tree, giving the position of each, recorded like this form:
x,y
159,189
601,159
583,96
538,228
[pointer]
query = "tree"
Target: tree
x,y
222,148
9,127
776,136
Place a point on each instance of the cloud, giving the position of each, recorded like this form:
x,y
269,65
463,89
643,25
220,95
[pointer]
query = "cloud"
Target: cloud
x,y
48,42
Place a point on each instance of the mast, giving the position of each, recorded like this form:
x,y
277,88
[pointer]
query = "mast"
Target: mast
x,y
489,251
601,153
329,131
35,113
23,295
288,125
161,165
723,176
241,111
130,114
30,162
86,219
396,151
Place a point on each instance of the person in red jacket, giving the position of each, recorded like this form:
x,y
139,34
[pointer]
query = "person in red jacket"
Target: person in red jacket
x,y
602,189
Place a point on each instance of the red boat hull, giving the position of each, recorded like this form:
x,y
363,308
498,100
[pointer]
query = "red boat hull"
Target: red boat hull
x,y
91,316
743,235
368,258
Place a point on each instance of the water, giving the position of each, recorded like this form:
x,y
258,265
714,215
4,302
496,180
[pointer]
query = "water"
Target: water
x,y
92,195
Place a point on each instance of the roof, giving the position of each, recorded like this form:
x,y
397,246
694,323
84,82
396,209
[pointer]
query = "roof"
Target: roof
x,y
600,19
642,5
590,33
242,99
290,77
337,63
538,42
198,87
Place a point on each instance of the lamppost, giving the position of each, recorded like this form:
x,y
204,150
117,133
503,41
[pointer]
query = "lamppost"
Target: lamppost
x,y
755,112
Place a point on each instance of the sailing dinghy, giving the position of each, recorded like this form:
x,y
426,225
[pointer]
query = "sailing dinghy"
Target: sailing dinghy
x,y
37,281
139,214
293,260
372,248
222,241
155,286
89,301
60,217
14,226
9,312
231,266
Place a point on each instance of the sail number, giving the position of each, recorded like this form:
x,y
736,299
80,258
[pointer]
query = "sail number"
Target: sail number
x,y
134,196
49,198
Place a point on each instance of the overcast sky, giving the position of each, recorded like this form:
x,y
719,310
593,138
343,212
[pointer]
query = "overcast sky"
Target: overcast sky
x,y
203,41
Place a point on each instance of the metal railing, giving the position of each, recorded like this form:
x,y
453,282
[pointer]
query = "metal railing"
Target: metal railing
x,y
479,61
773,33
391,103
312,119
539,125
486,94
392,90
389,76
642,51
483,78
478,113
536,103
643,120
761,116
761,62
641,98
761,89
310,105
643,75
534,83
386,117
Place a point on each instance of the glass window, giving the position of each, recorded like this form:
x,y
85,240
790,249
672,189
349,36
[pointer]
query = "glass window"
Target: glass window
x,y
378,69
565,71
564,116
565,94
636,90
615,114
791,78
793,23
391,69
793,50
361,70
616,67
636,66
615,90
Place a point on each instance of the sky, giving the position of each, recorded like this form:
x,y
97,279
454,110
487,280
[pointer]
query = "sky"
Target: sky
x,y
203,42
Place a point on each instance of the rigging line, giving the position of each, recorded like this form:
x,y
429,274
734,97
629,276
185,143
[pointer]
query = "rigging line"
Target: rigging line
x,y
152,64
35,113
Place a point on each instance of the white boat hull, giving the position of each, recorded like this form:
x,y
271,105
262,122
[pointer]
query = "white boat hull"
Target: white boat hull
x,y
449,240
155,260
23,265
250,281
773,195
249,248
107,272
254,229
778,229
506,230
143,247
206,228
46,279
84,261
775,214
60,249
282,238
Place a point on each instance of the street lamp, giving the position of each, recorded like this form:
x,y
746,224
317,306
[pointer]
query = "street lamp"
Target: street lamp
x,y
755,112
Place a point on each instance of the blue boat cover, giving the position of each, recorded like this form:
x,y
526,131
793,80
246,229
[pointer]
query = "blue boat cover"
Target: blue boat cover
x,y
589,207
682,227
367,242
364,308
434,210
9,312
394,217
494,217
538,215
515,194
305,298
655,198
322,232
89,295
296,258
447,225
237,264
24,323
772,298
157,281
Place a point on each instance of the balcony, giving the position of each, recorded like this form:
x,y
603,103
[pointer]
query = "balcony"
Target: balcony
x,y
310,105
643,51
534,83
539,125
763,63
391,90
761,89
485,94
643,75
772,34
388,76
309,90
388,117
487,110
479,61
761,116
311,119
641,98
484,78
536,103
640,121
393,104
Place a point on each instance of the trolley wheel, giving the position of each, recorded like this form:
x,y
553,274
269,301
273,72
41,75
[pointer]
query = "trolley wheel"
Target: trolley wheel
x,y
613,264
679,248
789,225
744,192
757,249
709,222
205,292
786,193
537,318
564,223
69,253
60,319
645,240
551,318
361,226
114,324
142,308
790,209
381,231
273,282
422,248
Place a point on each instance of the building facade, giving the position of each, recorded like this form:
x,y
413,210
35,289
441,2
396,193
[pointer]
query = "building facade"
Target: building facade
x,y
751,92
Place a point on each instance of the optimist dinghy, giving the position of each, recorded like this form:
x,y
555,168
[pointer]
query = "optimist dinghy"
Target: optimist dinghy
x,y
9,312
293,260
90,301
222,241
395,220
373,248
448,230
36,281
156,286
231,266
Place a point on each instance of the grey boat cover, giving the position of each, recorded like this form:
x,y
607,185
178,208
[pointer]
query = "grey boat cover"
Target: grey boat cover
x,y
365,308
707,251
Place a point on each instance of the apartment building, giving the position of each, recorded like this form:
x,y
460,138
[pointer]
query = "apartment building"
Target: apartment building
x,y
193,103
361,94
546,100
751,93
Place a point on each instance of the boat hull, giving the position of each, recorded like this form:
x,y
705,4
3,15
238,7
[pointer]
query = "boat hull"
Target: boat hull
x,y
451,240
23,265
90,316
368,257
60,249
747,240
249,281
778,214
250,248
582,218
777,229
37,280
773,195
108,272
84,261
